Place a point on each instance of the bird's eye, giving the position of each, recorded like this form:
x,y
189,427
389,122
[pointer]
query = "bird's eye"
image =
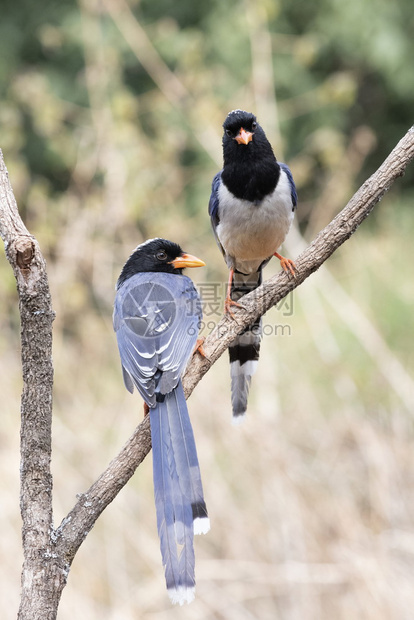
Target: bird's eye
x,y
161,255
254,125
228,132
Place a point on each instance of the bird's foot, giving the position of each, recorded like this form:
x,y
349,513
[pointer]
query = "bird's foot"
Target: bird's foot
x,y
199,346
287,264
146,409
228,303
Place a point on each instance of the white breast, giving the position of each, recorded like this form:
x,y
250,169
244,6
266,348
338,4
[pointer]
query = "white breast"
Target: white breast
x,y
251,233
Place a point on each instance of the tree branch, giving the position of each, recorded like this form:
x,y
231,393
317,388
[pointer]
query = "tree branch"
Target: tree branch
x,y
36,315
48,553
322,247
256,303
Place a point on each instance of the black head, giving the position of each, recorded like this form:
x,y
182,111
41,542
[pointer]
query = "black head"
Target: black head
x,y
243,137
237,120
157,255
250,169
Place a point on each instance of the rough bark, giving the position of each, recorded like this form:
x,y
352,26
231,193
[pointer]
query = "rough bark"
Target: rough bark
x,y
49,552
44,574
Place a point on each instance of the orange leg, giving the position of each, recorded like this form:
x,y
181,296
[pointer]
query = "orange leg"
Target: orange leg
x,y
228,302
199,346
286,264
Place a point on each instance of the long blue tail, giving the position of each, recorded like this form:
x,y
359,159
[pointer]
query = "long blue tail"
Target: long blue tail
x,y
179,501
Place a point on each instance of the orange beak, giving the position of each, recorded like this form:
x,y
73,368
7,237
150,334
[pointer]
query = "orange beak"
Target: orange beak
x,y
187,260
244,137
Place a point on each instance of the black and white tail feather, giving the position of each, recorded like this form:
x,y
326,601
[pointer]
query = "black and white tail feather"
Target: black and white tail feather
x,y
180,506
245,349
185,453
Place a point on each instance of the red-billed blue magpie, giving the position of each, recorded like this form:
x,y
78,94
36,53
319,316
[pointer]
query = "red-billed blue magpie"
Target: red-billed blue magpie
x,y
156,318
251,207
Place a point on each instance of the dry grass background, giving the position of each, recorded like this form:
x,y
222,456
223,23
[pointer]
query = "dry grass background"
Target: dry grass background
x,y
311,500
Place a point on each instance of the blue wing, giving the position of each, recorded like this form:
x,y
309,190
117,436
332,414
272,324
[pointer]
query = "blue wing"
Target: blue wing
x,y
293,192
156,320
213,208
213,205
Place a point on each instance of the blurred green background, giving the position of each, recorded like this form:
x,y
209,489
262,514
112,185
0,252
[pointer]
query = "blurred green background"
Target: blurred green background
x,y
110,116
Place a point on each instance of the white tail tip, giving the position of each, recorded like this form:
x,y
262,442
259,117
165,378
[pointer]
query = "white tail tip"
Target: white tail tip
x,y
201,525
181,595
238,419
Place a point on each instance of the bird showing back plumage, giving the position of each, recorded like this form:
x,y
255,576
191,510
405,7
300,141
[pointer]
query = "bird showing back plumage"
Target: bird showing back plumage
x,y
157,312
251,208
